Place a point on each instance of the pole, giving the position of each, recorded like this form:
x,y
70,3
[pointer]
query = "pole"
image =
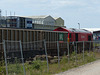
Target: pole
x,y
79,25
5,56
68,50
76,52
90,46
46,55
58,53
0,18
83,50
94,49
22,57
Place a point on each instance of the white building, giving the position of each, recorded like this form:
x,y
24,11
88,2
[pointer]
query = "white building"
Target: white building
x,y
46,22
59,21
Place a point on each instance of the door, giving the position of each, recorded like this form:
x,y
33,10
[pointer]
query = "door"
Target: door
x,y
76,37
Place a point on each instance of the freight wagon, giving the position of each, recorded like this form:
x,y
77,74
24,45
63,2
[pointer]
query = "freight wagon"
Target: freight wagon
x,y
32,41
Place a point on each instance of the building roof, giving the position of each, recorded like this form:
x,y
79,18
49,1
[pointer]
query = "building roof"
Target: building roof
x,y
57,18
18,16
42,16
92,29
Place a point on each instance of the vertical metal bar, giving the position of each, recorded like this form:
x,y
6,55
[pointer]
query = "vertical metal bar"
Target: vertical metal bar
x,y
22,57
94,49
48,40
5,56
7,34
15,39
50,37
30,39
27,36
19,34
23,36
2,35
34,40
7,39
23,45
83,50
37,36
46,55
68,50
90,46
58,53
74,48
15,35
11,35
27,40
37,40
34,35
30,35
11,47
76,52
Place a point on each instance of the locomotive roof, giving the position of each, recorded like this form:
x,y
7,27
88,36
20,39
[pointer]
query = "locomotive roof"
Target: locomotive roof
x,y
72,30
79,30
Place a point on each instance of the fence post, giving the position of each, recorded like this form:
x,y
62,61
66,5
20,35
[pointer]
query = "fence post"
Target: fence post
x,y
68,50
74,44
76,52
58,53
46,55
22,57
83,50
90,47
94,49
5,56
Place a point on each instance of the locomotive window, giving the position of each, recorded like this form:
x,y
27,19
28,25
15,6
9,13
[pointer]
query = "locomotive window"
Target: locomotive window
x,y
69,35
89,38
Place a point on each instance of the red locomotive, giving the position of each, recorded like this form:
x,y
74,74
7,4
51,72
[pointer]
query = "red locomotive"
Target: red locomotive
x,y
76,34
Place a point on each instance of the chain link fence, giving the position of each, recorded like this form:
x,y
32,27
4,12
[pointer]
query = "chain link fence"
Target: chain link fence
x,y
13,55
44,57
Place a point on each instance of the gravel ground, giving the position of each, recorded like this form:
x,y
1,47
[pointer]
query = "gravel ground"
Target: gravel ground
x,y
88,69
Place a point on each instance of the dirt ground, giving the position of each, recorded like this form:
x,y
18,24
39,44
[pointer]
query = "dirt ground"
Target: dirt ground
x,y
88,69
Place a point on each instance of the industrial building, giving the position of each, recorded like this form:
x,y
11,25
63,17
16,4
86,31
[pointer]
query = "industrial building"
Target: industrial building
x,y
32,22
3,21
46,22
96,33
19,22
59,22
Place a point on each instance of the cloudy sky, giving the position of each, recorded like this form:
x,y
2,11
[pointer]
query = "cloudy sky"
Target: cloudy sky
x,y
85,12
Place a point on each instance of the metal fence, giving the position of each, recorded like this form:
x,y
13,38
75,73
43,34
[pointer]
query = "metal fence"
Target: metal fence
x,y
13,55
25,58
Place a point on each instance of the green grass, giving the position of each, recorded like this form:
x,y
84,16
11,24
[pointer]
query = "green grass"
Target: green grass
x,y
40,67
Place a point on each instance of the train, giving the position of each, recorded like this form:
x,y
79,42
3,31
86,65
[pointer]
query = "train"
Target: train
x,y
78,36
32,41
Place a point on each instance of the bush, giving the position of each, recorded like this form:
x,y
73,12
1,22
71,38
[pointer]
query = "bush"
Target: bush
x,y
36,64
2,68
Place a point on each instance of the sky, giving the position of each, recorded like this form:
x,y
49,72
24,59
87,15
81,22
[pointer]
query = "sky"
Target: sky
x,y
85,12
